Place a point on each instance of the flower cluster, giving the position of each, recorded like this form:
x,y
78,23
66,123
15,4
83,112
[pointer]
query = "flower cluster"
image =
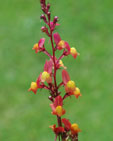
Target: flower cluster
x,y
47,78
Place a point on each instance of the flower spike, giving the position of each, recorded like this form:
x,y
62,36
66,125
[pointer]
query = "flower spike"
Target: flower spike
x,y
47,79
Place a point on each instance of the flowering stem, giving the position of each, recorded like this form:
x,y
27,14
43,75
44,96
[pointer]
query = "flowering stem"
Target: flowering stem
x,y
51,38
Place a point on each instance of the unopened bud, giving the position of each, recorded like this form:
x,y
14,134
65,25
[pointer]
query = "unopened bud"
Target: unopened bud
x,y
48,6
43,17
55,20
49,15
43,28
50,98
42,2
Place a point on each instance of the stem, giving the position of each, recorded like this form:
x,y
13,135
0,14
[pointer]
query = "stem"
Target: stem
x,y
60,57
76,137
51,38
55,137
55,83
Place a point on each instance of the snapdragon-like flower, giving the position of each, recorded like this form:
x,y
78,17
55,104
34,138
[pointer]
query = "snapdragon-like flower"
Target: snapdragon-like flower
x,y
61,44
69,84
57,106
35,85
39,46
74,52
46,74
70,127
77,92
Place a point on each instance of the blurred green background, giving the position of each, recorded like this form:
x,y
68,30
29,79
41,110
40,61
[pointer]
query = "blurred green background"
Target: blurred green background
x,y
85,24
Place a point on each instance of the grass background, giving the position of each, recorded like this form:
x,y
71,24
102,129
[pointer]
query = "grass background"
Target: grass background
x,y
87,25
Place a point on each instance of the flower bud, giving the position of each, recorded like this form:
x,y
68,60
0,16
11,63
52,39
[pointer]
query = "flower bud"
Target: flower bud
x,y
49,15
43,17
50,98
48,6
55,20
43,29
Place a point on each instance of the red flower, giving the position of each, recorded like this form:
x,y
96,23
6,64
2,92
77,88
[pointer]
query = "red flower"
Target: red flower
x,y
56,107
46,74
61,44
39,46
67,124
70,127
57,130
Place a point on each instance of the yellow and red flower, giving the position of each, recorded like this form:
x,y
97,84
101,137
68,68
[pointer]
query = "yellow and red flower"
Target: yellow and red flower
x,y
74,52
61,44
77,92
57,106
46,74
74,128
39,46
69,84
35,85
